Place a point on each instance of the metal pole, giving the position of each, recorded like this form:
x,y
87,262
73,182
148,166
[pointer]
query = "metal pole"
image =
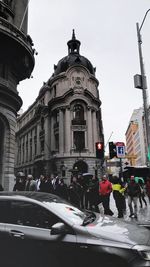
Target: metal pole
x,y
121,171
24,15
144,92
108,140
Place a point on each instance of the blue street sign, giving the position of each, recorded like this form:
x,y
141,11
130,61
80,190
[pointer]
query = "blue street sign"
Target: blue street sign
x,y
120,151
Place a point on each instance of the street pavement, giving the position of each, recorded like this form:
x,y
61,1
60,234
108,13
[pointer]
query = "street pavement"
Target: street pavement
x,y
143,214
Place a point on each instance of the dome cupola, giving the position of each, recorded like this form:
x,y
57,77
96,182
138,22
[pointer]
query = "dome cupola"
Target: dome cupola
x,y
73,45
73,58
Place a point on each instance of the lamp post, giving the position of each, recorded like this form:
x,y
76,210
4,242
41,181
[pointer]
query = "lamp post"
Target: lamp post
x,y
141,83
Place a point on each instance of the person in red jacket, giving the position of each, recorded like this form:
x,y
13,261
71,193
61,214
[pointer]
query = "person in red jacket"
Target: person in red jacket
x,y
105,189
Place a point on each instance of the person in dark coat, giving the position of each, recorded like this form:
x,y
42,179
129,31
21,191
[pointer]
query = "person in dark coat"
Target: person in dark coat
x,y
45,185
74,191
87,193
142,193
94,198
62,189
1,188
20,182
82,183
55,183
133,191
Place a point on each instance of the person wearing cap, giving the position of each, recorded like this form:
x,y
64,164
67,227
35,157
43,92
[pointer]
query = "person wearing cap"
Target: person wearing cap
x,y
133,191
105,189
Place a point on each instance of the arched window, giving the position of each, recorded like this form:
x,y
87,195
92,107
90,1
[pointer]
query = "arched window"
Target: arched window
x,y
78,112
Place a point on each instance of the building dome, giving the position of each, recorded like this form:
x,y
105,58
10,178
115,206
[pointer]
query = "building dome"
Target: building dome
x,y
73,58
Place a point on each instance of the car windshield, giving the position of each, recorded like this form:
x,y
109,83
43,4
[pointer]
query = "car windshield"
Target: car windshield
x,y
69,212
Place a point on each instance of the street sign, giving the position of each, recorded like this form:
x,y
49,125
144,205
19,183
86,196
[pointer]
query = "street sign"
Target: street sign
x,y
120,149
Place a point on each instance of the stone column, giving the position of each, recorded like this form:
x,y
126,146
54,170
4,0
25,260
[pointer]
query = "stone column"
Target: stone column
x,y
29,135
52,134
38,140
67,131
95,134
61,131
90,131
24,139
47,143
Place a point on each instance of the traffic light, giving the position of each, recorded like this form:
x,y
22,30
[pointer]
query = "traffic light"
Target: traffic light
x,y
112,150
99,150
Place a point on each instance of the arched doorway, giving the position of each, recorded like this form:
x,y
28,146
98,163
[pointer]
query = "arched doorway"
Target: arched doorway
x,y
81,166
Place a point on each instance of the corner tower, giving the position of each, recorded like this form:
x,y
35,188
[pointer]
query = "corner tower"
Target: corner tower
x,y
57,134
16,64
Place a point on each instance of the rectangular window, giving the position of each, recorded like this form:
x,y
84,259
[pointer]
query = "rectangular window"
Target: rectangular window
x,y
57,141
79,141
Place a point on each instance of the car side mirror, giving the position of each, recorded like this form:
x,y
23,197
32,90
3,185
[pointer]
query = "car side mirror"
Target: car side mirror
x,y
58,229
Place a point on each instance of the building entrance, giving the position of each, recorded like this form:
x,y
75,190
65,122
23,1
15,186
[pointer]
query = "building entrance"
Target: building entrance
x,y
81,166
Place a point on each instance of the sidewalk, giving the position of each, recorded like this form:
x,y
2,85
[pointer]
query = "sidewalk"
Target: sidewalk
x,y
143,214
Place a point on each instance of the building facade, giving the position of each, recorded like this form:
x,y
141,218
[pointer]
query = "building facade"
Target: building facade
x,y
135,139
16,64
58,132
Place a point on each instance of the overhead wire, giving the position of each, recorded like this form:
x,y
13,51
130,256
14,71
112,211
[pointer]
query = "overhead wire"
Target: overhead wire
x,y
24,15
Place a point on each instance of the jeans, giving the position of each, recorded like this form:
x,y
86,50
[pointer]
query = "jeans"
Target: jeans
x,y
133,209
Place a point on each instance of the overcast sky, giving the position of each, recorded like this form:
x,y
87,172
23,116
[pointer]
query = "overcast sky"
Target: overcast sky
x,y
107,32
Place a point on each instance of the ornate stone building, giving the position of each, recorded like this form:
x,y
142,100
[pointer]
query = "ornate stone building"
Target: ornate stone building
x,y
16,64
57,134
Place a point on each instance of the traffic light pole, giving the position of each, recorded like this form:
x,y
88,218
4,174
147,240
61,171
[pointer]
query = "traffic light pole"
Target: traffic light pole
x,y
121,172
144,88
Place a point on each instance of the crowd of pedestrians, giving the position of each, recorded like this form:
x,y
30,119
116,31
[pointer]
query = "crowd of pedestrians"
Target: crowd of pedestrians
x,y
91,192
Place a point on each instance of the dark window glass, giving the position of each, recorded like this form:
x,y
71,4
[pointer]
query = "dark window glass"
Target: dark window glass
x,y
4,212
79,141
78,112
26,213
57,141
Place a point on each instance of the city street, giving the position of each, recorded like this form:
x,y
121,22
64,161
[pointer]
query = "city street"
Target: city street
x,y
143,213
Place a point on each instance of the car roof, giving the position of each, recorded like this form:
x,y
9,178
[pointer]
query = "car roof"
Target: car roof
x,y
39,196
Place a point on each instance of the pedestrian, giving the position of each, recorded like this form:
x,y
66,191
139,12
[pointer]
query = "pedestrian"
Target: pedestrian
x,y
142,193
133,191
137,179
82,183
55,183
31,184
118,195
74,191
38,181
20,182
105,189
87,195
62,189
45,184
148,188
1,187
94,197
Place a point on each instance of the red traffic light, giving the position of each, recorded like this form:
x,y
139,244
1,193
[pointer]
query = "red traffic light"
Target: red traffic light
x,y
99,145
99,150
